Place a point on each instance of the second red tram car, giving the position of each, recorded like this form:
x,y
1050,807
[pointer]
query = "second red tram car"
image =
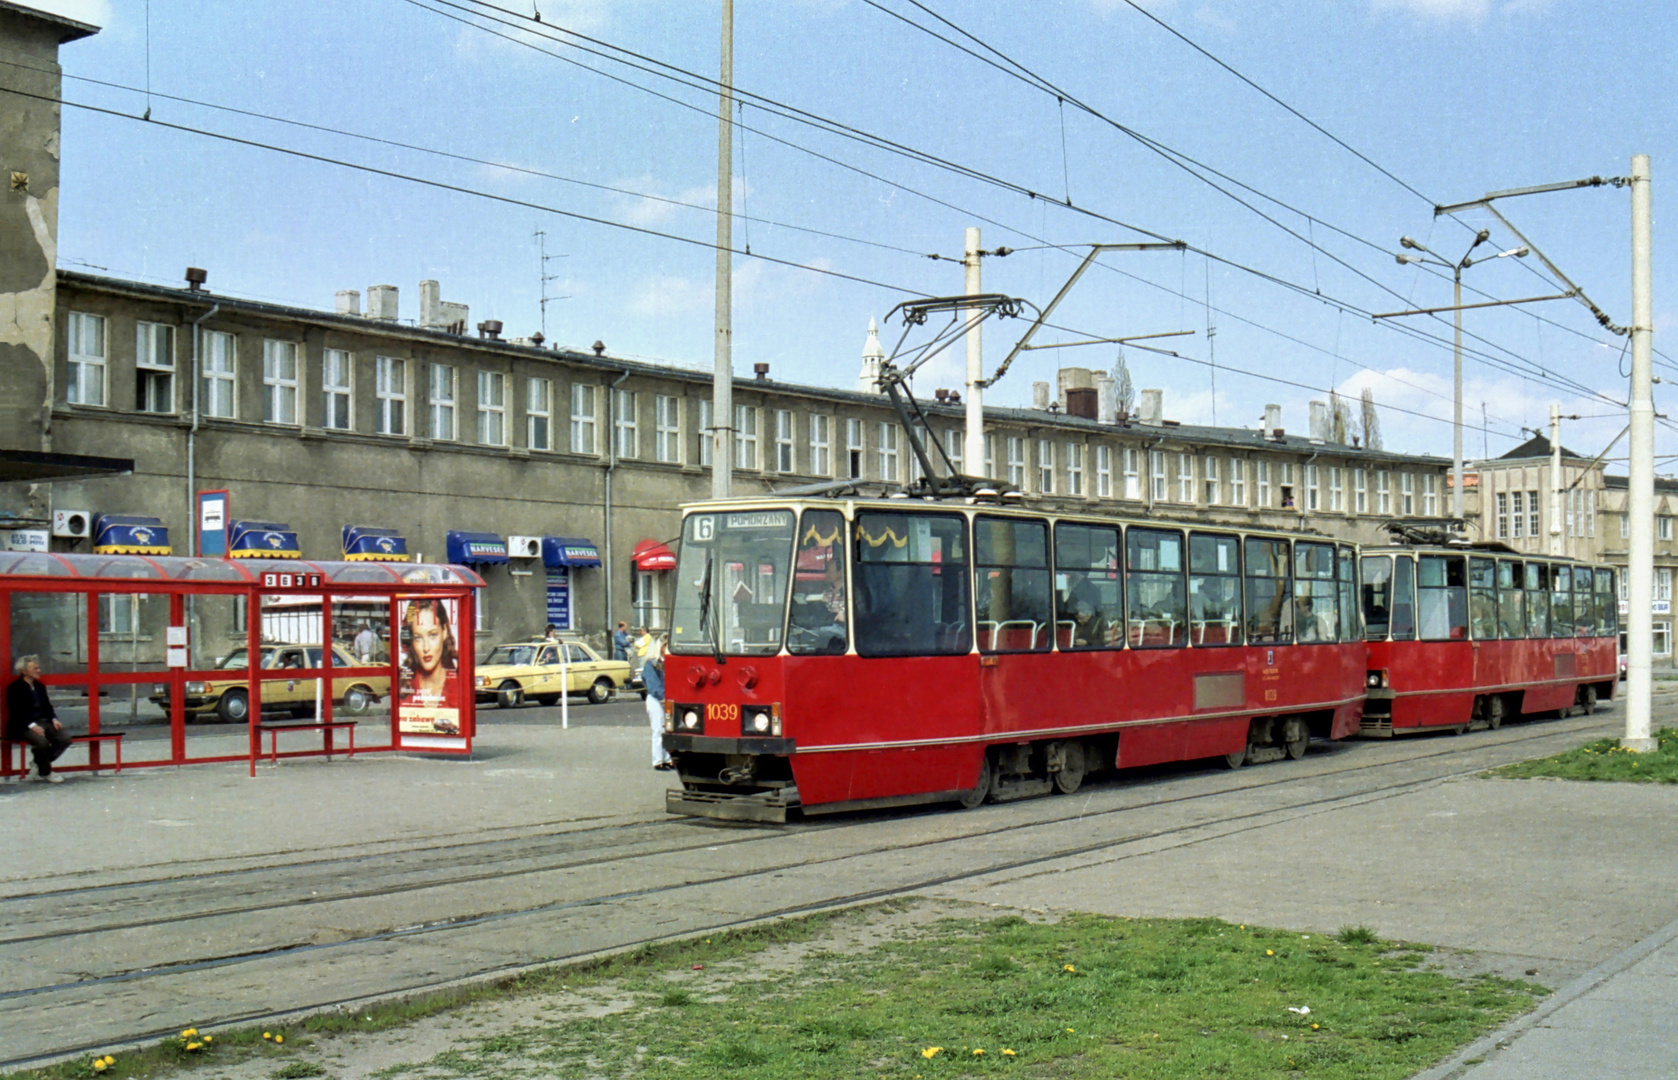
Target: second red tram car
x,y
1463,636
837,654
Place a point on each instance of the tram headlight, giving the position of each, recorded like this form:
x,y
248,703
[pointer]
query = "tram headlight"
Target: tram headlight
x,y
760,721
690,718
1378,679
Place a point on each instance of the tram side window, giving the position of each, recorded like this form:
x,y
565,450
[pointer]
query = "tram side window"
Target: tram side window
x,y
1158,612
1214,589
1089,606
1538,600
1269,613
1348,582
1313,588
1404,599
1442,598
1011,590
1511,600
1561,601
1584,606
816,625
1377,590
1482,599
909,574
1607,604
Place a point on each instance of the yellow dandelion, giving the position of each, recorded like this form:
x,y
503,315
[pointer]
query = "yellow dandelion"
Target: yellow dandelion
x,y
208,1038
1069,1031
267,1035
1070,968
1008,1053
1269,952
1314,1027
100,1066
279,1038
977,1051
194,1046
189,1033
931,1051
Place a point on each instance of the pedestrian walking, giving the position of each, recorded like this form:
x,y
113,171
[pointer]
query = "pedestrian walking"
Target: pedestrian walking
x,y
620,642
652,677
30,719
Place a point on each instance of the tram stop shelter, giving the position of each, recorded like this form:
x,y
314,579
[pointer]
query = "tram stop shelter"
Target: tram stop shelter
x,y
197,660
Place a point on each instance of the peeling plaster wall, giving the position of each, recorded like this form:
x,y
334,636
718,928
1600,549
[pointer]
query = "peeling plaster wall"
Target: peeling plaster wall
x,y
29,160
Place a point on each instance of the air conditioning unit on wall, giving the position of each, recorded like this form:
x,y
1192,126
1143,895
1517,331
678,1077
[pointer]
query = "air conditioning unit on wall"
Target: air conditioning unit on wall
x,y
524,547
76,524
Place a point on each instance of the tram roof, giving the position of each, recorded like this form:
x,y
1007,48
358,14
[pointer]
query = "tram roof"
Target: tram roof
x,y
1485,550
71,567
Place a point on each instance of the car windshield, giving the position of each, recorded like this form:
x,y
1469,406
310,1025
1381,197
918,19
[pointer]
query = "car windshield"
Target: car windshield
x,y
731,582
236,659
512,654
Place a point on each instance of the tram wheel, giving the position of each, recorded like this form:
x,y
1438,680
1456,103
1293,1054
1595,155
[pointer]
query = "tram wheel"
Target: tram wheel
x,y
1237,759
1071,775
976,795
1494,712
1296,737
1587,696
509,695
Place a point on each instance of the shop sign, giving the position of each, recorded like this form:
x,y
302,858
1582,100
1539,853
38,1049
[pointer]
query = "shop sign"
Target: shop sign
x,y
26,540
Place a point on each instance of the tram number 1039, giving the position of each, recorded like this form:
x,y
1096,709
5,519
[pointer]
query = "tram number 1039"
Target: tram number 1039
x,y
720,712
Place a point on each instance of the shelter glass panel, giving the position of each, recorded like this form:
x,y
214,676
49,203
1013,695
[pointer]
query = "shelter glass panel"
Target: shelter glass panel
x,y
1089,600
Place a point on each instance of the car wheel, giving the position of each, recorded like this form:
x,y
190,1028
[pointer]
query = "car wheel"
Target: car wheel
x,y
357,699
601,692
509,695
547,699
234,706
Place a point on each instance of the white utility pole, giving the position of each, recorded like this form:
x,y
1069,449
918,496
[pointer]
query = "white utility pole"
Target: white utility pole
x,y
722,382
1556,542
973,445
1641,496
1456,407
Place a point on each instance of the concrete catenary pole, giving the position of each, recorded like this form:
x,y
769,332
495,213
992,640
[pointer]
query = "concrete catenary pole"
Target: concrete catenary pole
x,y
1456,407
1556,542
973,445
722,383
1641,501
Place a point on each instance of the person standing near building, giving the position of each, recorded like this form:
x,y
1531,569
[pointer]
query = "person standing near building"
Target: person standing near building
x,y
365,643
652,677
30,718
620,642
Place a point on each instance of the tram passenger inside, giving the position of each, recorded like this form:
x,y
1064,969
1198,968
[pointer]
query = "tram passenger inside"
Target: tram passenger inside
x,y
1089,623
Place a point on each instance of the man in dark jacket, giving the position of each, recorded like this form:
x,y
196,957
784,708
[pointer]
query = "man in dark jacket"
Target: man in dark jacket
x,y
30,718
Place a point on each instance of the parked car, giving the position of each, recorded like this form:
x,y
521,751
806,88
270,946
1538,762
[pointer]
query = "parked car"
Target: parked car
x,y
229,699
531,669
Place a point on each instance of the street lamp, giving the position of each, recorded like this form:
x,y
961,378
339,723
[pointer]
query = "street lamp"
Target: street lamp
x,y
1456,269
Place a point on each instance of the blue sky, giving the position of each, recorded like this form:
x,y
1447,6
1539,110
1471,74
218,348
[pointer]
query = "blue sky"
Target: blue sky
x,y
1454,97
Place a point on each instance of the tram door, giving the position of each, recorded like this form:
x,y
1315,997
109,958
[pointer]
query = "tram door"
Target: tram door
x,y
1014,602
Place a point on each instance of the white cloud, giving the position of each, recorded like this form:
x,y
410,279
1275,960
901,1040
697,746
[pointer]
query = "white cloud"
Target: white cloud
x,y
97,12
1475,11
665,296
654,205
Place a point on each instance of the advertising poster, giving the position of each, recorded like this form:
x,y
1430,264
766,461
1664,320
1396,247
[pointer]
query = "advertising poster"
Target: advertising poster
x,y
559,596
429,693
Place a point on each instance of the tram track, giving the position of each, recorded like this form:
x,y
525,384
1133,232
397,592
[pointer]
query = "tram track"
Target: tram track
x,y
832,868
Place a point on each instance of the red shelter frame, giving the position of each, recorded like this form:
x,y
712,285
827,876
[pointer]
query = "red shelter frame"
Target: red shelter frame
x,y
178,578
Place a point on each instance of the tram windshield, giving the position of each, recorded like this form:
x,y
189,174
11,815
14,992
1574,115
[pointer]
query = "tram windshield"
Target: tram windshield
x,y
731,582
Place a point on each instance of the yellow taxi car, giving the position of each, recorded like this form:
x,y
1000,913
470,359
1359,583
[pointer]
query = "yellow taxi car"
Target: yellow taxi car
x,y
230,698
531,669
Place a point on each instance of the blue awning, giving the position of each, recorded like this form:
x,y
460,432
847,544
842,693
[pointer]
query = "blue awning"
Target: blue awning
x,y
569,551
129,534
263,540
365,543
476,547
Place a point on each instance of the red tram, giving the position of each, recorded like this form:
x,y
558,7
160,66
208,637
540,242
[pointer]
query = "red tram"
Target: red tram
x,y
835,654
1468,636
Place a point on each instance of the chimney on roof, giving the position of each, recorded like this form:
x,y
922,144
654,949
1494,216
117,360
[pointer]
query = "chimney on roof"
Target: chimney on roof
x,y
1071,378
381,302
1272,419
1106,398
1081,401
761,370
1040,395
942,394
1319,420
439,314
348,301
1151,408
599,348
195,278
490,329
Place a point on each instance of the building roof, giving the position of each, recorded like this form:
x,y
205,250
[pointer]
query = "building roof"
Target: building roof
x,y
1536,447
1621,483
1168,431
68,29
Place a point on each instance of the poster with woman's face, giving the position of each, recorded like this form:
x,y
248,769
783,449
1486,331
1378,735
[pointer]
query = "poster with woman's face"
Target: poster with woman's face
x,y
428,695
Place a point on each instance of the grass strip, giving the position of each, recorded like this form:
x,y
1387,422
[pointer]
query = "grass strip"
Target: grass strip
x,y
1087,996
1603,759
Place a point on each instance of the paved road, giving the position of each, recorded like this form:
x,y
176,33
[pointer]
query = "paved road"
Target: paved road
x,y
202,897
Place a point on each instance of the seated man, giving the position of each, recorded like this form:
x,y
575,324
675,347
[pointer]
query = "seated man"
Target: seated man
x,y
30,718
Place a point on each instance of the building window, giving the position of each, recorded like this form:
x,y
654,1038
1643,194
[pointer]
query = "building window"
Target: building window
x,y
1132,473
1407,494
821,445
707,432
441,397
1430,495
745,437
783,441
1313,488
1502,515
1532,514
119,613
217,375
1662,645
492,408
1185,478
1625,532
1045,466
154,368
582,420
279,382
1590,512
1285,482
87,360
1261,474
1210,481
390,391
1337,489
1156,468
337,370
915,462
1663,583
1360,491
1075,469
667,428
953,440
539,413
1238,481
1664,525
626,436
853,449
1383,492
1104,472
1569,516
1016,461
1516,521
888,451
990,456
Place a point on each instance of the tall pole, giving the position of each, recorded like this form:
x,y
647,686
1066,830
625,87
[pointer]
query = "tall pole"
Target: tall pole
x,y
1556,543
1641,501
722,384
973,446
1456,413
